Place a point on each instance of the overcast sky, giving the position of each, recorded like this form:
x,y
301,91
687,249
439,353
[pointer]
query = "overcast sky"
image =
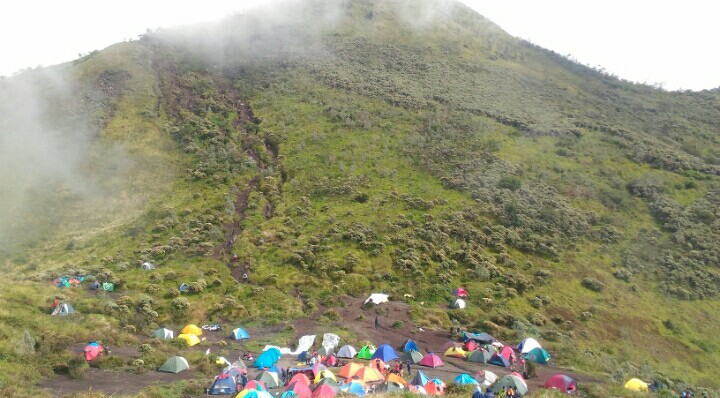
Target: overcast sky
x,y
668,41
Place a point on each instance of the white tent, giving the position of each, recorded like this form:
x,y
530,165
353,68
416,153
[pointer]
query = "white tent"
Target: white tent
x,y
148,266
377,298
347,351
528,345
164,334
486,377
64,310
459,304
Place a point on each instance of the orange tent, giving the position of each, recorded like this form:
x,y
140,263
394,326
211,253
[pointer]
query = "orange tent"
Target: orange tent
x,y
349,370
378,364
433,389
368,375
394,377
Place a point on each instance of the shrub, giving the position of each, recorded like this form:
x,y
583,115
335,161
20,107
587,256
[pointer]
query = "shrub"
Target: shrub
x,y
397,325
196,288
593,284
77,367
509,182
145,349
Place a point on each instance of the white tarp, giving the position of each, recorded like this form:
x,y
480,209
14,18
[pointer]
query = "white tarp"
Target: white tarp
x,y
377,298
330,341
459,304
304,344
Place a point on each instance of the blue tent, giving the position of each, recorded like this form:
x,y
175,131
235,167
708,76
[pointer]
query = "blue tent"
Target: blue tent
x,y
289,394
303,356
353,388
465,379
223,385
409,346
239,334
267,358
482,338
420,379
385,353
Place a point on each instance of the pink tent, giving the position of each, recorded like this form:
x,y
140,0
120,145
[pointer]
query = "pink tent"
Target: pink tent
x,y
431,360
300,388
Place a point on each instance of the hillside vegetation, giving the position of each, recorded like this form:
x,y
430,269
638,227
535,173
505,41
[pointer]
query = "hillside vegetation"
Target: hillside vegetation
x,y
341,148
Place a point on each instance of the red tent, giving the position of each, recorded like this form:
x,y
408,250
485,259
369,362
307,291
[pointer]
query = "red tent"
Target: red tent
x,y
300,377
330,360
470,345
460,292
300,388
561,382
323,391
431,360
255,385
92,350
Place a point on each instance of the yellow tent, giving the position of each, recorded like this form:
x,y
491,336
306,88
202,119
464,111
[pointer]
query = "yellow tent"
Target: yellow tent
x,y
190,339
323,374
456,352
368,374
395,378
192,329
636,385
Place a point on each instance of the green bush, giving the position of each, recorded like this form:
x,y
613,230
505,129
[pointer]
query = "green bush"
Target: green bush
x,y
593,284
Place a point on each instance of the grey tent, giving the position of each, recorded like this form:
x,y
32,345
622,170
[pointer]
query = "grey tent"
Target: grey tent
x,y
347,351
482,338
390,387
164,334
412,356
479,355
174,365
64,310
184,287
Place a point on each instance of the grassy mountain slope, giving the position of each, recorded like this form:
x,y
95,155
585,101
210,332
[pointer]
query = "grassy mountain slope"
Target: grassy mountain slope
x,y
379,148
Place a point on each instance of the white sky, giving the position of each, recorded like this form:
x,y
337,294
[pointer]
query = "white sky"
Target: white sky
x,y
654,41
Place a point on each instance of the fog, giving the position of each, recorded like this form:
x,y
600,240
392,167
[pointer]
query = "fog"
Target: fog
x,y
51,166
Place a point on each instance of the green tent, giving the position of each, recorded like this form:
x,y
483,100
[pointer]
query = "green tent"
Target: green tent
x,y
538,355
478,355
412,355
174,365
390,387
490,348
511,381
108,287
366,352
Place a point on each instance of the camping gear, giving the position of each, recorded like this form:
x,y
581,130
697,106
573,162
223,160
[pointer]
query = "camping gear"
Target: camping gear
x,y
192,329
234,371
479,355
239,334
299,377
528,345
270,379
108,287
409,345
385,353
64,310
377,298
163,334
255,385
636,385
470,345
325,351
349,370
354,387
330,360
458,304
511,381
465,378
148,266
323,391
412,356
431,388
301,389
254,394
460,292
324,374
267,358
562,382
431,360
390,387
448,344
395,378
223,385
174,365
368,374
92,350
482,338
420,379
190,339
486,377
538,355
347,351
183,287
502,357
456,353
366,352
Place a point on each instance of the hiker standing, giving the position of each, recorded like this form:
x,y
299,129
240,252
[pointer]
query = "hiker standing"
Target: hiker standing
x,y
397,367
56,302
377,322
407,365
